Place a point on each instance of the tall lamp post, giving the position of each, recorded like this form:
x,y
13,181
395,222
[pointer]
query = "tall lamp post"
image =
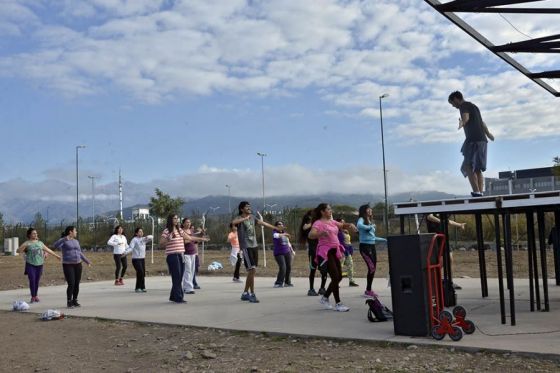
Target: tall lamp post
x,y
93,210
78,147
386,209
229,197
262,155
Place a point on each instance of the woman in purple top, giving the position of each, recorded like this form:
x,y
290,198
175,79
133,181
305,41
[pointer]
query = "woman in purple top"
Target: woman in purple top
x,y
72,258
283,255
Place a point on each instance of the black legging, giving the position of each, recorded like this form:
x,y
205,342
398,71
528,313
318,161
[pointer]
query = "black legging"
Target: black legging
x,y
120,262
313,270
73,276
334,269
140,267
237,266
369,254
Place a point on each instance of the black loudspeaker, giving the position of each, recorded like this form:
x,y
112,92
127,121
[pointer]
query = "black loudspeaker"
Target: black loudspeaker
x,y
409,283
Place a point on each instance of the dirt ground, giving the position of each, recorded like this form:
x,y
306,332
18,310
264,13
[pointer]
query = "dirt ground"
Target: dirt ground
x,y
96,345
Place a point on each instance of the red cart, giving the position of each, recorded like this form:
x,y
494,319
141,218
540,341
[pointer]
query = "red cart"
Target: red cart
x,y
441,320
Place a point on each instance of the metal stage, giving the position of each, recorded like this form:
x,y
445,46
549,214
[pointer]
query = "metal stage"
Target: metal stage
x,y
501,208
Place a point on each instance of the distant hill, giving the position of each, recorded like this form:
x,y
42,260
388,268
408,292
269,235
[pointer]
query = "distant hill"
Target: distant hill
x,y
23,210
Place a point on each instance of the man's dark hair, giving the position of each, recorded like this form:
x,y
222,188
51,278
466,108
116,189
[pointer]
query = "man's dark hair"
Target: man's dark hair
x,y
241,206
455,95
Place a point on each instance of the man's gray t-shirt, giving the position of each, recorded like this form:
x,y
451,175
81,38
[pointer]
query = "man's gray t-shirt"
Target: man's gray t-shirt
x,y
473,128
246,234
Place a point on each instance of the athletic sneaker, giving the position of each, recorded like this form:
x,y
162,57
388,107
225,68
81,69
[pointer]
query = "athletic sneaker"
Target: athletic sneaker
x,y
325,302
278,286
138,290
253,298
288,285
322,291
245,296
37,299
196,287
312,293
117,282
189,292
455,286
144,291
75,303
341,308
69,304
353,284
476,194
237,280
369,294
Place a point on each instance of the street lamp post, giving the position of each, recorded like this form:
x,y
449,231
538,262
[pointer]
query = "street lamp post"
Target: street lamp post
x,y
93,211
153,236
78,147
386,210
229,197
262,155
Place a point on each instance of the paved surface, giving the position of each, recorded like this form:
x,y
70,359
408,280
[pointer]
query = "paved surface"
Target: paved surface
x,y
291,311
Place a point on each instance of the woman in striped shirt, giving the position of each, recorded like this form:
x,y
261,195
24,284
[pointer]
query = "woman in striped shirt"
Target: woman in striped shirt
x,y
173,240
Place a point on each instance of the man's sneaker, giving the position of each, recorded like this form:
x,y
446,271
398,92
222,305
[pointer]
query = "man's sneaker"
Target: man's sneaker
x,y
322,291
237,280
245,296
144,291
138,290
288,285
455,286
369,294
69,304
325,302
189,292
196,287
341,308
476,194
75,303
253,298
312,293
353,284
278,285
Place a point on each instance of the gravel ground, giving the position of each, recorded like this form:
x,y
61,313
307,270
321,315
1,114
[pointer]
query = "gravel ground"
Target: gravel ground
x,y
94,345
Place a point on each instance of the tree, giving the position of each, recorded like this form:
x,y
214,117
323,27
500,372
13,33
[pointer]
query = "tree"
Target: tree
x,y
162,205
556,166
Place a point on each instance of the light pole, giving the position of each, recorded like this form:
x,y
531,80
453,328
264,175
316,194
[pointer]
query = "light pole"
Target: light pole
x,y
262,155
204,226
93,210
229,197
153,236
384,170
78,147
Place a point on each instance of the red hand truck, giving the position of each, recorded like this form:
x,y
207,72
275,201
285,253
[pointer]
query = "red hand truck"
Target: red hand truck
x,y
441,320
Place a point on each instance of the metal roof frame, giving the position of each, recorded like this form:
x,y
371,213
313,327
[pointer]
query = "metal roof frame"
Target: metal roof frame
x,y
548,44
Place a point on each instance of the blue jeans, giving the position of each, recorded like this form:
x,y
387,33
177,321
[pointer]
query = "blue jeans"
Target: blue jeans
x,y
176,270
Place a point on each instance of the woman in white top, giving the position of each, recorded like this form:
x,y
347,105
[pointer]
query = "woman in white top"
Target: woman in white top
x,y
120,244
138,249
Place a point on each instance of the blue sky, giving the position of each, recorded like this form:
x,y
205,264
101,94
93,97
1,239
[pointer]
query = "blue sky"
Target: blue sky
x,y
182,94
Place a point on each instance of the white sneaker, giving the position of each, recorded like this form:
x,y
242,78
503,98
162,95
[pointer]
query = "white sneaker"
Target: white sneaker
x,y
341,308
325,302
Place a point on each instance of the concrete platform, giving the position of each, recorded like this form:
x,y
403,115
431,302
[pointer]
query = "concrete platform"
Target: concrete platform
x,y
291,311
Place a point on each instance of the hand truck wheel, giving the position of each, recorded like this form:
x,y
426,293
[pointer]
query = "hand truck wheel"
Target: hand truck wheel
x,y
456,334
436,335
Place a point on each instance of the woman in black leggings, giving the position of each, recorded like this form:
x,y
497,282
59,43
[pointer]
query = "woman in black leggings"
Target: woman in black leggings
x,y
304,230
72,258
329,251
120,245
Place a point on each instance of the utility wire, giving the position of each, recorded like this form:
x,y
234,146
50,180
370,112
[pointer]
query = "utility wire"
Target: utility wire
x,y
515,28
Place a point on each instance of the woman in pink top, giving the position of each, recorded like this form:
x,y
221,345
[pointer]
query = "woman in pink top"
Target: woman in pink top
x,y
329,251
173,240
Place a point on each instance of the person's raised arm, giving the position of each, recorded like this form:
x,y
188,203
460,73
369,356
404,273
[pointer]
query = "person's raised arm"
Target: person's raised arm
x,y
240,219
22,248
45,248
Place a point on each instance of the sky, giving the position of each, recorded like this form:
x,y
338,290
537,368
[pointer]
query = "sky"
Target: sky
x,y
182,95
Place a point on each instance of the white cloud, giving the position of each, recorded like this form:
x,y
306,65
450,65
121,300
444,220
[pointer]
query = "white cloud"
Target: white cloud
x,y
350,52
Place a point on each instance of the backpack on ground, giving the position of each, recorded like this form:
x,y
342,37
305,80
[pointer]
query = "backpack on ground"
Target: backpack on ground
x,y
377,312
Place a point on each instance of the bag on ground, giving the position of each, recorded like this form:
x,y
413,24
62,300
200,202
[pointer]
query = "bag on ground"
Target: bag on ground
x,y
377,311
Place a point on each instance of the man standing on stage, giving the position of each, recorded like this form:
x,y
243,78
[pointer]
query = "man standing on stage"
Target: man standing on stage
x,y
474,147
